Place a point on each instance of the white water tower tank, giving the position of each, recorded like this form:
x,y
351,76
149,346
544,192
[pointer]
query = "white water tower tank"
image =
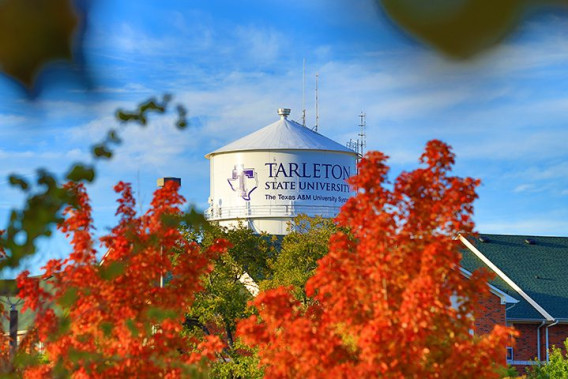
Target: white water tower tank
x,y
268,177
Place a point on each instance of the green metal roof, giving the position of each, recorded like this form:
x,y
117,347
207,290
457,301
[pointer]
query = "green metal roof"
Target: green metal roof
x,y
539,268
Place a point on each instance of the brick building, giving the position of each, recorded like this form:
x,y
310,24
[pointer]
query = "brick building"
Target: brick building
x,y
534,271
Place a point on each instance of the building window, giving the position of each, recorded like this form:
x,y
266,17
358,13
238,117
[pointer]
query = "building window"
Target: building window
x,y
509,354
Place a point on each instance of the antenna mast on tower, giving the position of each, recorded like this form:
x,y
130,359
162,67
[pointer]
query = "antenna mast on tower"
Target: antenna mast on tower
x,y
317,103
360,144
362,134
304,94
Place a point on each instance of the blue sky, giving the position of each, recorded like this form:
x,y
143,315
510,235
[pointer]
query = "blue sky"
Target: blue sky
x,y
234,63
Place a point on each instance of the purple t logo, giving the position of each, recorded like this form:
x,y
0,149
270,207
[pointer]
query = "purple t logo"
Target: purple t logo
x,y
243,181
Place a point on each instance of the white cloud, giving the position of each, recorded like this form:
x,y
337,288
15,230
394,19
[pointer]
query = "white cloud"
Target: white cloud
x,y
130,88
259,45
6,154
548,172
11,119
538,226
525,188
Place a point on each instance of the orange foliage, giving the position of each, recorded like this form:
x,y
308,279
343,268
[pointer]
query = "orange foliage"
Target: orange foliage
x,y
115,319
382,295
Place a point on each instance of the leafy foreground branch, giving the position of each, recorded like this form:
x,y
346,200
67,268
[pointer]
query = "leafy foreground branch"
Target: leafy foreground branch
x,y
41,211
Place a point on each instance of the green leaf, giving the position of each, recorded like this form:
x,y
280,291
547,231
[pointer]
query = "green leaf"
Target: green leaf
x,y
160,315
131,325
182,120
181,124
193,218
100,151
106,328
68,299
171,221
81,172
64,324
126,116
112,136
18,181
25,359
112,270
59,370
151,105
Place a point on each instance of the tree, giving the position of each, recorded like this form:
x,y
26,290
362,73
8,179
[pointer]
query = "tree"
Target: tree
x,y
270,262
382,295
299,253
118,319
223,299
556,367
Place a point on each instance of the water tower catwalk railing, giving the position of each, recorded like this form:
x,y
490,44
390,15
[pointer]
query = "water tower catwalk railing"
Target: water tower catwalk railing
x,y
260,211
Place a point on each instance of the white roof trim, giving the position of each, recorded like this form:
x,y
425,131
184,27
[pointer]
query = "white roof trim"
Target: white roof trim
x,y
505,297
507,280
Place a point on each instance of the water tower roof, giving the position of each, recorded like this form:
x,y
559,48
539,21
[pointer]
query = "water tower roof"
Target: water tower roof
x,y
283,134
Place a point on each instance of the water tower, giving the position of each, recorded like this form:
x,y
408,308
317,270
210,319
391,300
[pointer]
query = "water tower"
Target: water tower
x,y
270,176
